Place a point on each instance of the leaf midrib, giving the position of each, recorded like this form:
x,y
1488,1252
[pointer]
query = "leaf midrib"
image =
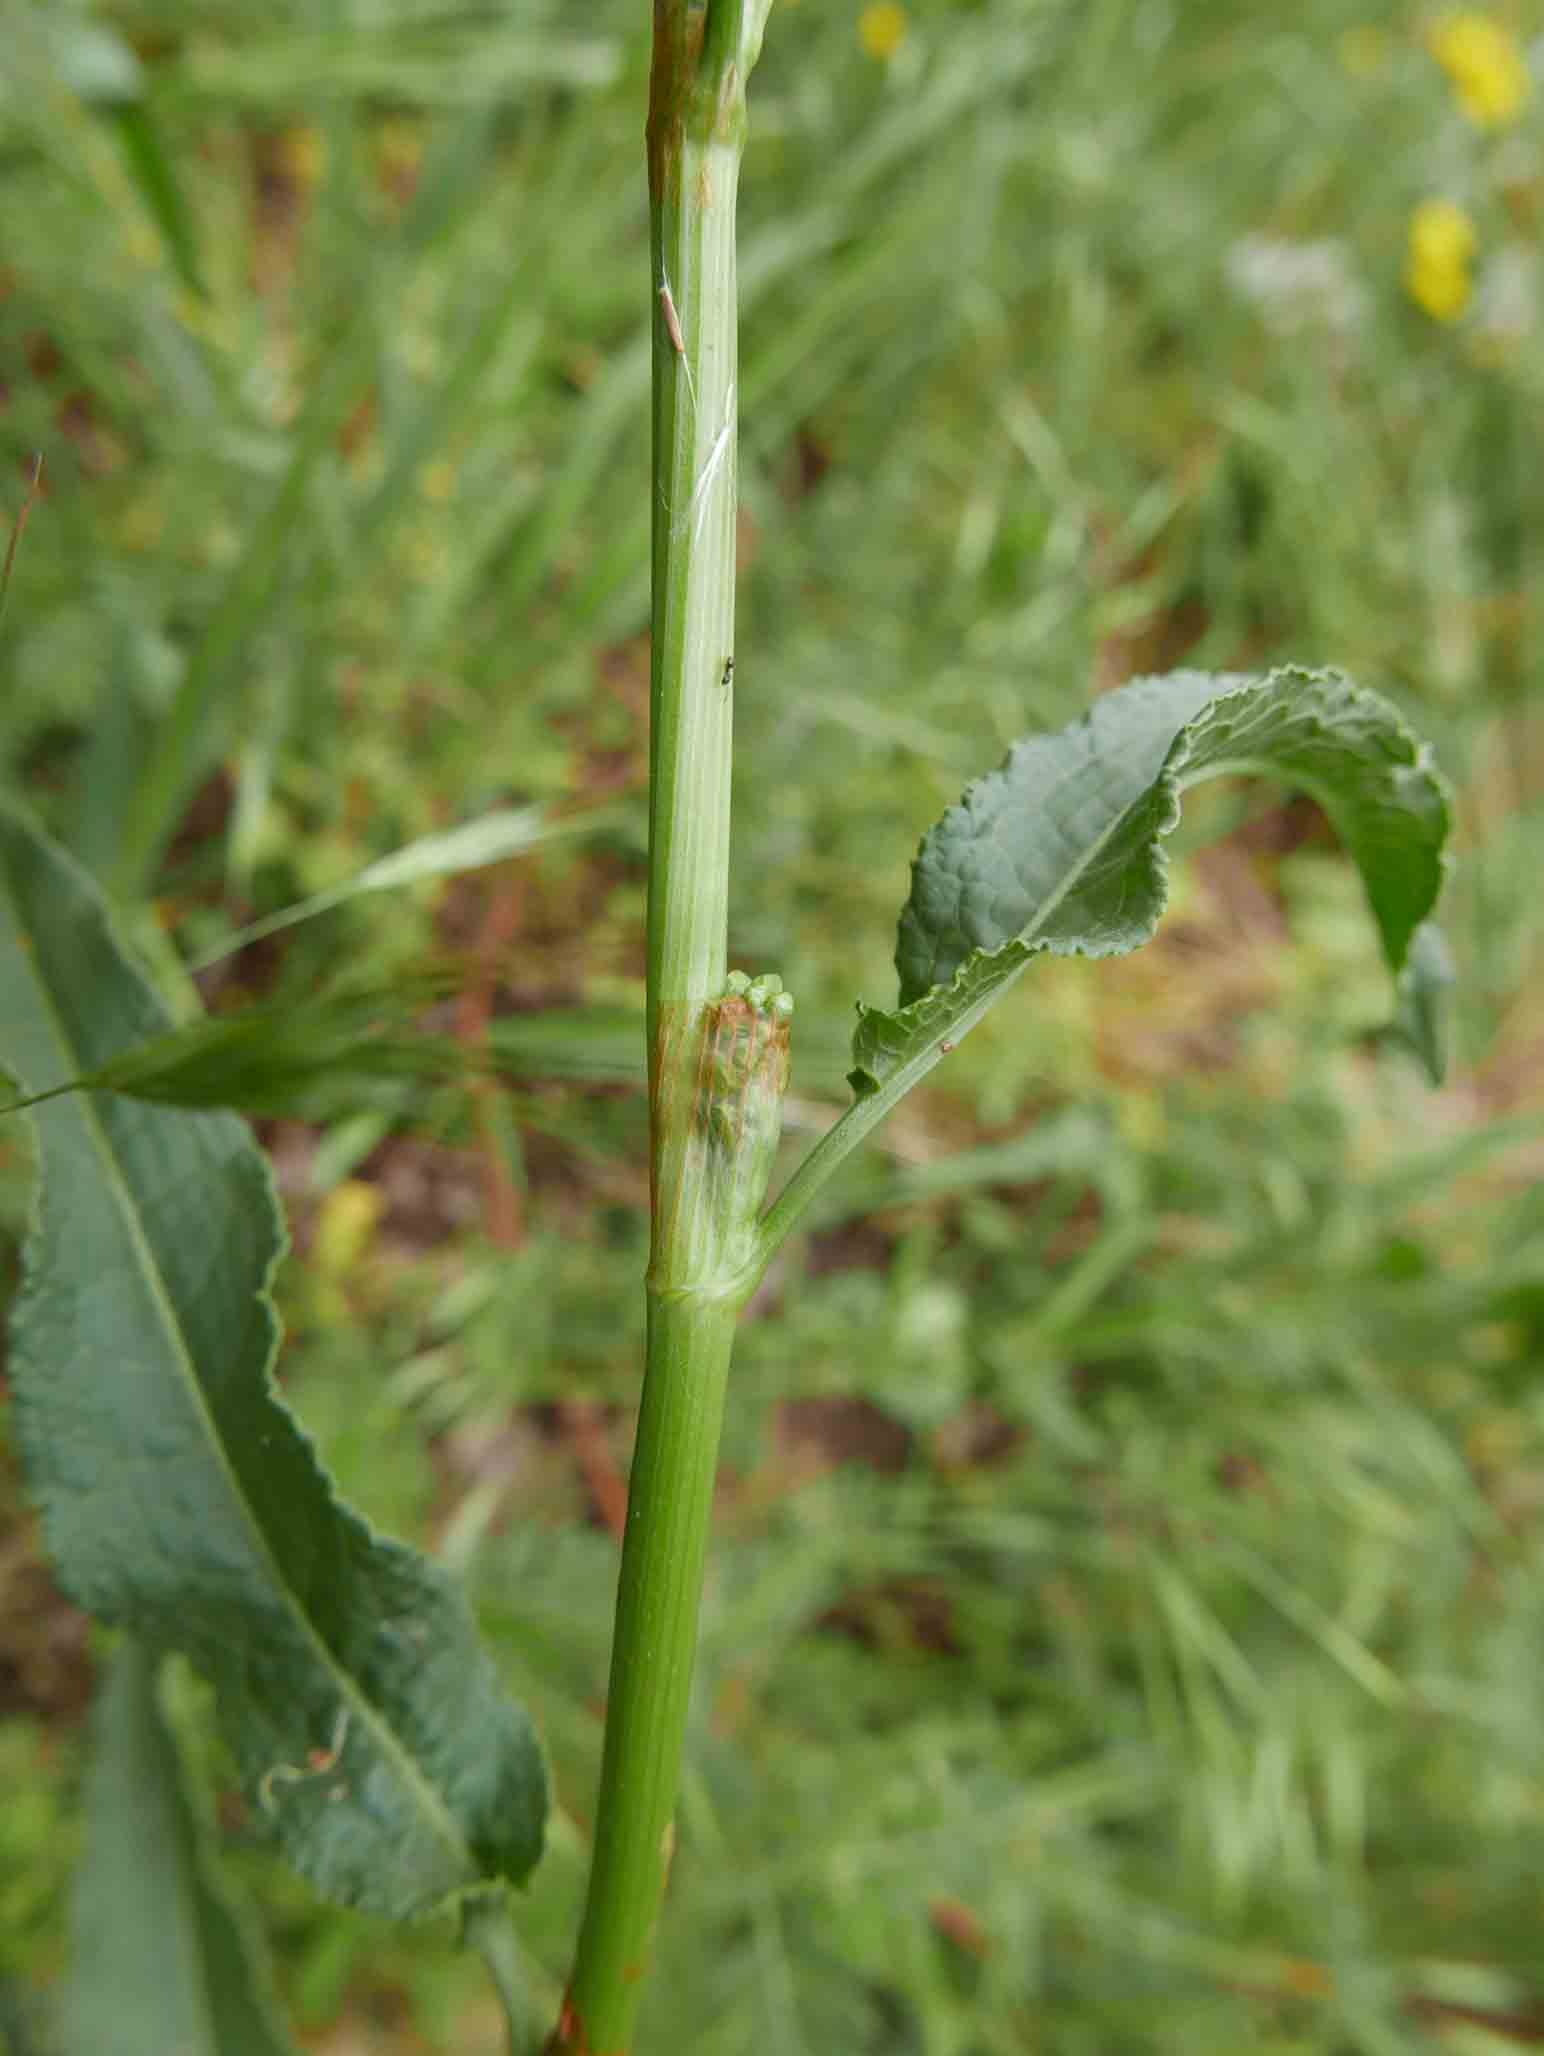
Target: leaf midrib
x,y
1179,777
431,1804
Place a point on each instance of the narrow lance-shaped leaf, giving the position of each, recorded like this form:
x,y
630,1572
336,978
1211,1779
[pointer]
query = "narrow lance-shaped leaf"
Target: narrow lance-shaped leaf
x,y
162,1958
1061,849
489,839
179,1496
333,1053
321,1056
154,173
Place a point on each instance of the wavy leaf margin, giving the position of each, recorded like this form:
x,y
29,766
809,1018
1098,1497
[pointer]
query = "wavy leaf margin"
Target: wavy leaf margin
x,y
1060,850
180,1497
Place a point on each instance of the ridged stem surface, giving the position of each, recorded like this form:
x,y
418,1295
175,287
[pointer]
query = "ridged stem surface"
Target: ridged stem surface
x,y
717,1065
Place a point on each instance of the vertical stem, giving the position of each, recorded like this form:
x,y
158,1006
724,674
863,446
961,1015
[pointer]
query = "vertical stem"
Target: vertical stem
x,y
698,1276
670,1499
693,191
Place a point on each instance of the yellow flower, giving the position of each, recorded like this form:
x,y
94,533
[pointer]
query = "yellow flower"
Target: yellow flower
x,y
882,28
1488,70
345,1227
1441,253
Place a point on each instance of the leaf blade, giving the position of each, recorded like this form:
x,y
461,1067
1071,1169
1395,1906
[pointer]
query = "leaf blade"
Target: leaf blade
x,y
1060,850
333,1054
179,1495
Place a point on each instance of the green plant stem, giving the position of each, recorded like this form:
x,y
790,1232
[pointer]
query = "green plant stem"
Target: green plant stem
x,y
860,1120
698,1276
828,1155
669,1502
486,1928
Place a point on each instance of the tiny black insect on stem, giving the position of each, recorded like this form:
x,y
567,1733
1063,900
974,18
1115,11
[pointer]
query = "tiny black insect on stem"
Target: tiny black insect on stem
x,y
728,678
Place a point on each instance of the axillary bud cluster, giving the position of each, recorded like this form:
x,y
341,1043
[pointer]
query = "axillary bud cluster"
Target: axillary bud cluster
x,y
738,1110
745,1062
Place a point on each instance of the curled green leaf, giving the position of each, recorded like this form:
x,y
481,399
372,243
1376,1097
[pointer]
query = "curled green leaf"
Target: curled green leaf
x,y
1060,850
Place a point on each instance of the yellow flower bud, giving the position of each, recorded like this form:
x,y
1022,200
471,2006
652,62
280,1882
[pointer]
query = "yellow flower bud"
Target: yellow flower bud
x,y
1482,58
1441,253
882,28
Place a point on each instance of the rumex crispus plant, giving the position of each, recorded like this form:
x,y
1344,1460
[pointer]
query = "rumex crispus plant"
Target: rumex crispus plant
x,y
183,1503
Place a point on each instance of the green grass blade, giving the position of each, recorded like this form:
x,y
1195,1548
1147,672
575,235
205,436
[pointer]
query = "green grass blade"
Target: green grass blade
x,y
312,1062
179,1496
177,753
422,64
490,839
116,748
153,173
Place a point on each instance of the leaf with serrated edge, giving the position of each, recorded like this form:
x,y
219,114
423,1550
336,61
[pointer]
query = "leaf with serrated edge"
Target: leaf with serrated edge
x,y
179,1496
163,1959
1060,850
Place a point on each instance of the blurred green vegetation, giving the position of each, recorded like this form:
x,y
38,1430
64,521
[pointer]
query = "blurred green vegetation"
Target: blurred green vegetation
x,y
1126,1626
